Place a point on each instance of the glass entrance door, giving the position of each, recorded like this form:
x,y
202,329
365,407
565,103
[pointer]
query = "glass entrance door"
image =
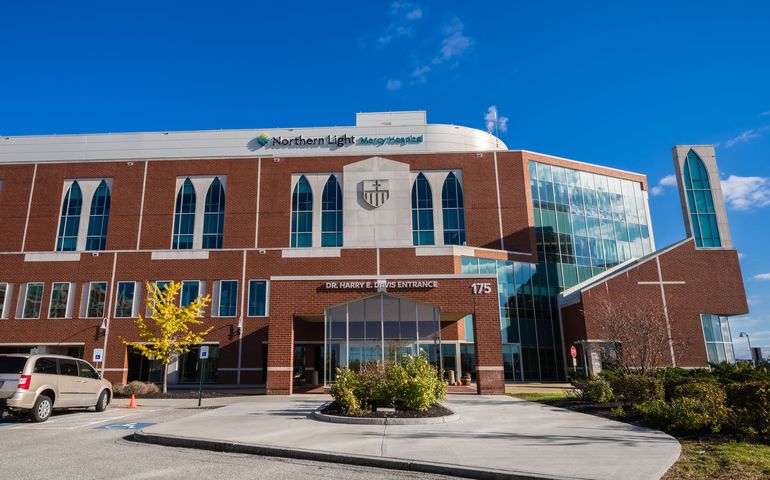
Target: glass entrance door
x,y
379,328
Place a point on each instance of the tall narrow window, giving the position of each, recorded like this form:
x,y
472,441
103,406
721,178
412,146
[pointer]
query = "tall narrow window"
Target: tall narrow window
x,y
124,303
331,214
257,298
422,212
97,294
228,298
454,211
302,214
214,216
99,218
69,222
59,298
184,218
32,300
190,291
700,202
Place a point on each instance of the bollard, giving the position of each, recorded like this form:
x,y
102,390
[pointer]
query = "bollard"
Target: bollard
x,y
451,377
315,377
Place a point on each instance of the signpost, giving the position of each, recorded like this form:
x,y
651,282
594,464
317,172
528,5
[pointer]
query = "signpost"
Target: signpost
x,y
202,355
98,354
573,352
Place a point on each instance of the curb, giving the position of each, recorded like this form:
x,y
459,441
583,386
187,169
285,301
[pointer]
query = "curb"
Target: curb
x,y
323,417
346,459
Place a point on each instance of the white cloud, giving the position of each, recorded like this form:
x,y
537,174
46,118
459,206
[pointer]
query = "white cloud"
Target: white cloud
x,y
764,114
393,84
419,73
495,121
414,14
454,43
741,255
762,276
743,137
746,193
404,14
667,181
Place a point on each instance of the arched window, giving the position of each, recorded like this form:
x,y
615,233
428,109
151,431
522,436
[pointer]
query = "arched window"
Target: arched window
x,y
700,202
99,218
214,216
69,223
454,211
331,214
422,212
184,217
302,214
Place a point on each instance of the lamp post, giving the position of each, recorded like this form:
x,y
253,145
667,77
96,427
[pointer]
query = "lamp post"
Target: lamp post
x,y
744,334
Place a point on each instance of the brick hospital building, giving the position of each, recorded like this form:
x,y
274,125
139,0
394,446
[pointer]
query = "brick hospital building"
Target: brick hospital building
x,y
328,247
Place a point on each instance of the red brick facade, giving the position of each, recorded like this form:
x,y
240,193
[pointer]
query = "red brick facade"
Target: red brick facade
x,y
696,281
499,225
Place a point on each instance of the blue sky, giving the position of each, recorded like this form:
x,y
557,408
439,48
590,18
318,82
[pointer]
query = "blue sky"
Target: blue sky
x,y
603,82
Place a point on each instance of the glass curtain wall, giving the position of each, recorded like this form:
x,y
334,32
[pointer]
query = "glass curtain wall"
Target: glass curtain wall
x,y
379,328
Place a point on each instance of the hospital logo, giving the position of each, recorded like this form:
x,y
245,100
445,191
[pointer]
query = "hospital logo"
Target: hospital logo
x,y
375,192
263,139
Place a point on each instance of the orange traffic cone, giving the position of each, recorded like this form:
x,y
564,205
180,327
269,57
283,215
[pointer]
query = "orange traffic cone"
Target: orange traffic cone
x,y
132,403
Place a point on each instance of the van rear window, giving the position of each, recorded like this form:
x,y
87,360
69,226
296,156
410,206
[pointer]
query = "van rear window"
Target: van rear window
x,y
12,364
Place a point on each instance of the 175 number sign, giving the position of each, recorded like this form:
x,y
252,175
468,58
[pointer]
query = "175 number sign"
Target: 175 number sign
x,y
481,288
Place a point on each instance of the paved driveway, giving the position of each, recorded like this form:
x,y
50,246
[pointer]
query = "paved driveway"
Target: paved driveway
x,y
497,433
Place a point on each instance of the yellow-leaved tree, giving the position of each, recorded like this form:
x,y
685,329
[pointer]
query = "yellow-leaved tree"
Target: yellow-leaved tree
x,y
170,334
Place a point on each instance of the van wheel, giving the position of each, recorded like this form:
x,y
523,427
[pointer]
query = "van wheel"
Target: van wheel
x,y
42,409
104,400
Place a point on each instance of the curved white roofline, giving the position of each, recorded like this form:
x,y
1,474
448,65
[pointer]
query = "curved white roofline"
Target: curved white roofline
x,y
375,133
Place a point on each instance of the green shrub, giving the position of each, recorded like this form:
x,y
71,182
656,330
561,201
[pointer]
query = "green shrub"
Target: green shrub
x,y
633,389
694,407
343,391
594,389
412,384
750,406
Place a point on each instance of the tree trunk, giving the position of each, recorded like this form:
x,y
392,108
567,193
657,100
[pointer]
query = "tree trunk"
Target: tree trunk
x,y
165,377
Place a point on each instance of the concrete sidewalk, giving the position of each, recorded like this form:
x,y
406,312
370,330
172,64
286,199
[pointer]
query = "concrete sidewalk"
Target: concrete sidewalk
x,y
496,437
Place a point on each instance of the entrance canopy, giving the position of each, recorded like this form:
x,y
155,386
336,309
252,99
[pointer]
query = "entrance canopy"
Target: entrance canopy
x,y
378,328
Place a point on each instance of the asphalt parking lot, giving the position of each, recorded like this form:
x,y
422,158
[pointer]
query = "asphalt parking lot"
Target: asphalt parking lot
x,y
85,445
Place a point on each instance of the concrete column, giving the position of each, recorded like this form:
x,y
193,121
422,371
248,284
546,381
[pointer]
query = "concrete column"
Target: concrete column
x,y
280,356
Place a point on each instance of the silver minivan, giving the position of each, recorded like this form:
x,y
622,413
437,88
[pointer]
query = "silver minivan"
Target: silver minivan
x,y
37,384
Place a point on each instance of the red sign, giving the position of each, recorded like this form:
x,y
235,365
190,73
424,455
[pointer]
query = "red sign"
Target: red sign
x,y
573,351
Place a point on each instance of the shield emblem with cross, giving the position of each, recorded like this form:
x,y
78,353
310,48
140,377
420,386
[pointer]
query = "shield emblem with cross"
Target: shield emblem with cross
x,y
376,192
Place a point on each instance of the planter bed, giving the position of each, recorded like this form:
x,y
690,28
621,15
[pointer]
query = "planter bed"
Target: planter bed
x,y
331,412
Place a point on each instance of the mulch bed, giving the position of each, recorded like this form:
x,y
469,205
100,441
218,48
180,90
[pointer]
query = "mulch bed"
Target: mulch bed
x,y
435,410
603,410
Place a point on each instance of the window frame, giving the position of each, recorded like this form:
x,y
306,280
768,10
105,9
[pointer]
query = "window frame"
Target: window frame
x,y
267,298
67,312
4,303
219,298
181,290
134,310
294,228
88,299
25,298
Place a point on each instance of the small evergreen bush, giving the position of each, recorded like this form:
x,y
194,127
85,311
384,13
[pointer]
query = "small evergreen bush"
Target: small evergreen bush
x,y
594,389
750,406
632,389
694,407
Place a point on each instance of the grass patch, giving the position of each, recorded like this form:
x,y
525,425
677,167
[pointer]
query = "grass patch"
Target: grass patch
x,y
720,459
714,457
